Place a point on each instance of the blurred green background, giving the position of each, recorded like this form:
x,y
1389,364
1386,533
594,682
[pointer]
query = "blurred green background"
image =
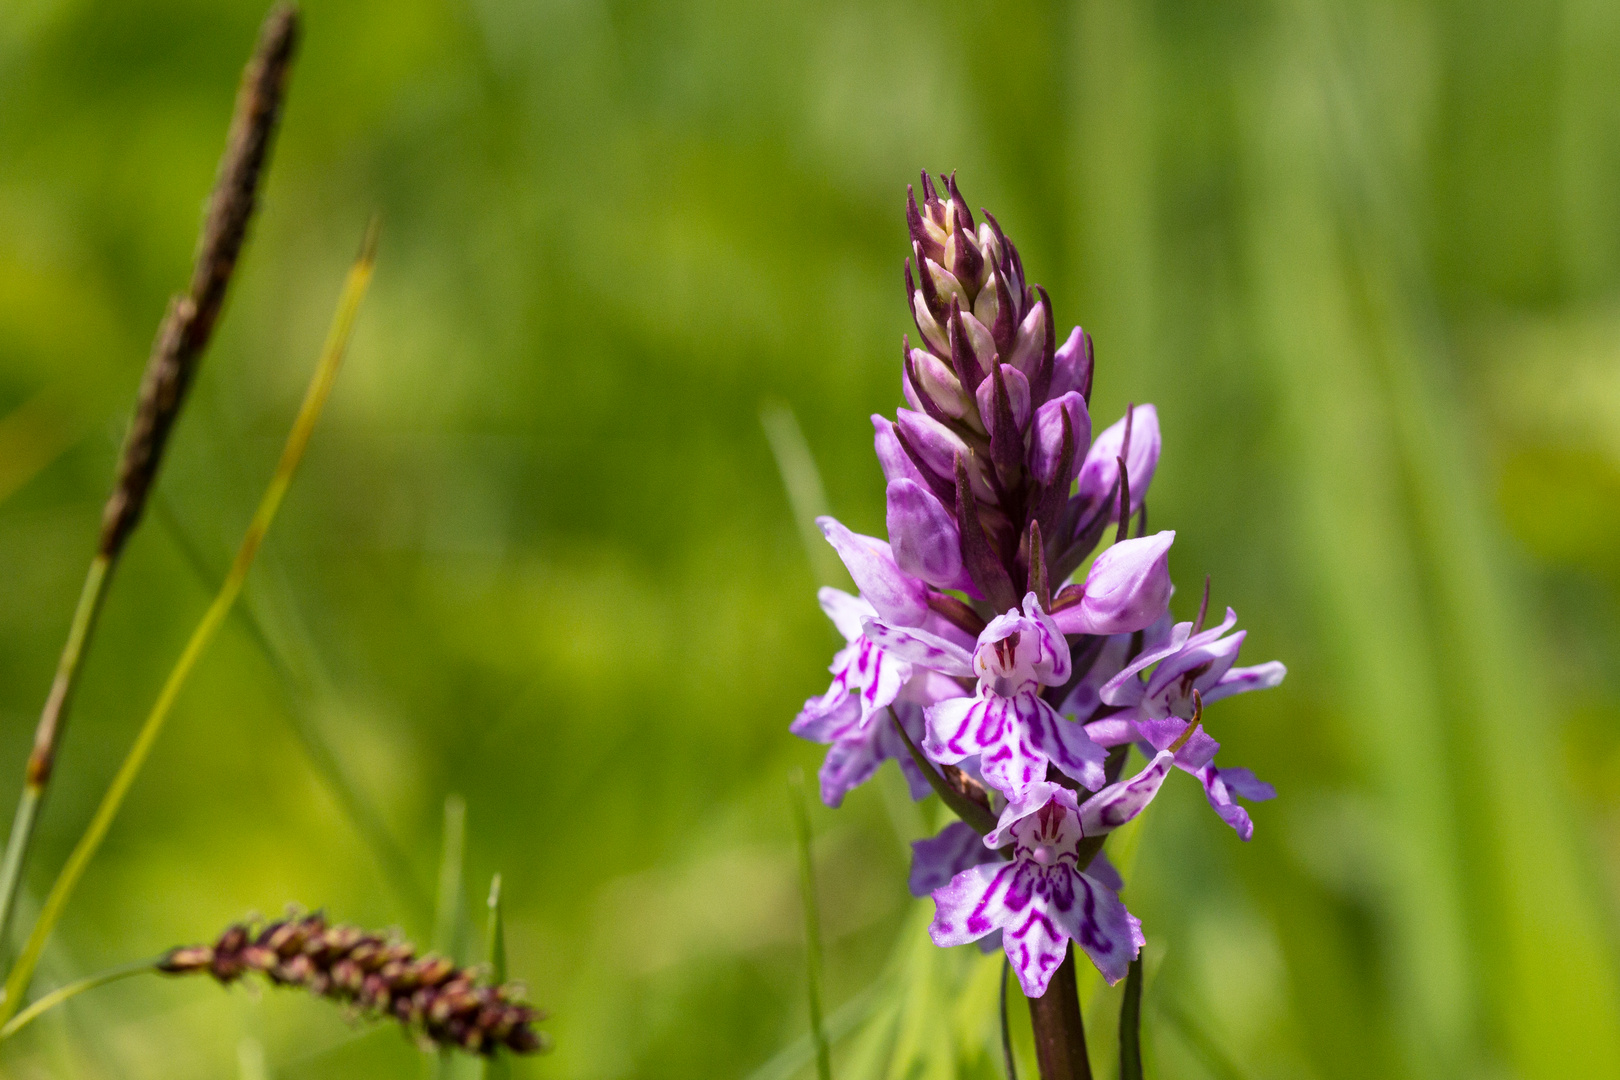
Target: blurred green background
x,y
1365,258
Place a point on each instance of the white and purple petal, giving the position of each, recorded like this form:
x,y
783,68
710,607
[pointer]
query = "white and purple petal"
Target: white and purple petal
x,y
920,647
894,594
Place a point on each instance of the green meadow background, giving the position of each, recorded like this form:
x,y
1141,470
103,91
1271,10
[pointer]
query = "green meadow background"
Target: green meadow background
x,y
1363,256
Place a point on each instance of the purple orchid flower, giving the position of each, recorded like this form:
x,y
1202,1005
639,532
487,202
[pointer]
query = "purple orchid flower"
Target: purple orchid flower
x,y
1193,669
852,716
938,859
1040,899
1007,724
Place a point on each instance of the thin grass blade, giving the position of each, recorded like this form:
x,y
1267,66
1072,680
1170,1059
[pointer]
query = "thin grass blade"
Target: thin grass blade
x,y
303,428
1130,1024
812,922
806,493
498,1066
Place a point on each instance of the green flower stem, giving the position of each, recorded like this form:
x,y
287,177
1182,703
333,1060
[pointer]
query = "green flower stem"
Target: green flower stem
x,y
812,924
72,990
38,775
297,442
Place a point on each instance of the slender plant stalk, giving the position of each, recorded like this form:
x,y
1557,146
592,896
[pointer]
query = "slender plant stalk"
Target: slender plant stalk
x,y
320,387
1130,1024
496,1066
74,989
812,924
1006,1026
176,354
449,912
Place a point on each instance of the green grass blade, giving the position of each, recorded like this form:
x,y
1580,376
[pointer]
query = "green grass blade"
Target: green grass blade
x,y
812,922
449,912
1130,1025
498,1066
301,715
806,493
73,990
303,429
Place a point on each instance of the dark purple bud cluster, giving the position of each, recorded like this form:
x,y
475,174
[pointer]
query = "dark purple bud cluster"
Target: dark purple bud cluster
x,y
983,464
439,1002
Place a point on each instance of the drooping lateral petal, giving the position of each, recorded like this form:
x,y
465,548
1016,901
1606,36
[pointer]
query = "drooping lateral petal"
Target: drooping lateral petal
x,y
1118,803
973,904
1240,680
920,647
1181,637
845,611
897,596
938,859
849,764
924,536
829,717
1099,923
1219,787
1242,782
1127,589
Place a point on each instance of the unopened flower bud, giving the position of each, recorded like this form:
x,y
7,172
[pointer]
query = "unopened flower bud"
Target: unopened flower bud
x,y
924,536
1046,437
1127,589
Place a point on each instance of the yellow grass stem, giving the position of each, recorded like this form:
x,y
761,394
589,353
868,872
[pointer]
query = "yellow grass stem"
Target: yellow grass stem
x,y
320,387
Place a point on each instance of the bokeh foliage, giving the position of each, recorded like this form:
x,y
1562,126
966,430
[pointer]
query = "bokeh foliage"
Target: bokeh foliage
x,y
1363,256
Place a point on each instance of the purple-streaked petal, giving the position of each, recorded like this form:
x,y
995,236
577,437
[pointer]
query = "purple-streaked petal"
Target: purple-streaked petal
x,y
1100,470
1046,437
1037,942
829,717
938,859
1218,790
1195,667
920,647
1243,782
1127,589
1068,746
1054,664
880,675
1116,730
1014,761
961,727
1240,680
1118,803
973,904
924,536
1160,734
1099,924
895,595
845,611
849,764
1026,803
